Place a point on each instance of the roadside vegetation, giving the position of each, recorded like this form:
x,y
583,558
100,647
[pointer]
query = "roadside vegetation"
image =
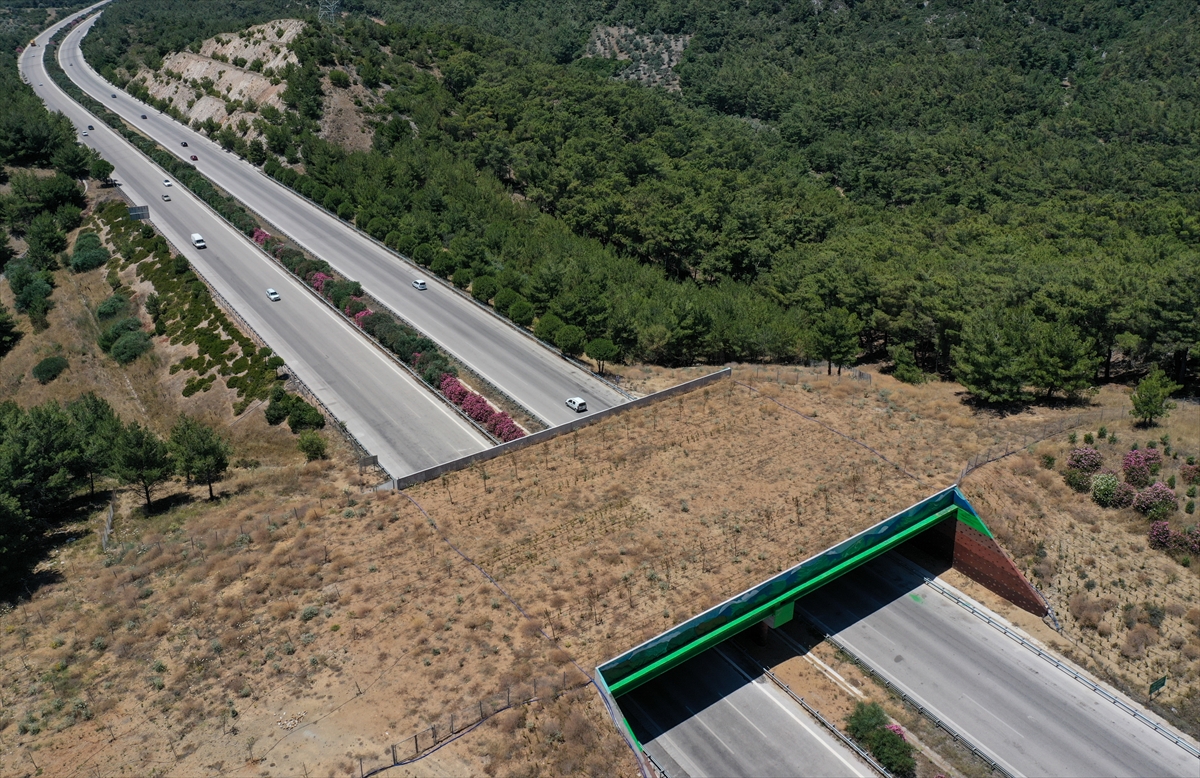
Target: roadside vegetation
x,y
847,209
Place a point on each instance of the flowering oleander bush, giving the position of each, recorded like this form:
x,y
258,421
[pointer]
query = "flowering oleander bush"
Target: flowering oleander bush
x,y
1089,460
1163,537
1190,474
260,236
1140,465
1155,500
364,313
897,729
498,423
318,280
1160,534
1104,488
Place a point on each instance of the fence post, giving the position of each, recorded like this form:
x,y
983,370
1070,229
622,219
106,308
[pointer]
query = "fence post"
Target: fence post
x,y
394,760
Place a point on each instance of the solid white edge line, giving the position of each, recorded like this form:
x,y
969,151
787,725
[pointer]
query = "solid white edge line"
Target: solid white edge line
x,y
829,746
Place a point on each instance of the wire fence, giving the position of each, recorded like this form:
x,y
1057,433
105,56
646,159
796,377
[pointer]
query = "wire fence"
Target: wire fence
x,y
452,724
1038,434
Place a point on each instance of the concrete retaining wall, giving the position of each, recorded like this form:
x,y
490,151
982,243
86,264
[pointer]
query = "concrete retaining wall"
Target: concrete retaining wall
x,y
529,440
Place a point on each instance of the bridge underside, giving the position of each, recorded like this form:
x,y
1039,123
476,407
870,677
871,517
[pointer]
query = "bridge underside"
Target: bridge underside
x,y
943,528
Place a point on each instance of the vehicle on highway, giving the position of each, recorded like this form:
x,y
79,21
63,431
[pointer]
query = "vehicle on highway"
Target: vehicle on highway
x,y
419,284
183,143
272,295
143,116
166,198
194,158
198,241
166,182
90,127
85,132
577,404
114,95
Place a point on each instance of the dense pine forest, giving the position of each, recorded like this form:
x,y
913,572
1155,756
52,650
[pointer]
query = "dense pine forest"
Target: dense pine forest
x,y
1005,194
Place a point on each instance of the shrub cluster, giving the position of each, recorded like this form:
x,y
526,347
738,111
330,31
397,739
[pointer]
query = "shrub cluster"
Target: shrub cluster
x,y
299,414
1123,498
1078,480
1155,500
1190,473
88,254
1162,537
868,724
498,423
1104,488
49,369
1089,460
1140,465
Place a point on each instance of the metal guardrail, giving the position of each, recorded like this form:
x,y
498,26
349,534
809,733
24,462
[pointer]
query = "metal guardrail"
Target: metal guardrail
x,y
937,722
229,308
237,318
870,760
433,276
1064,666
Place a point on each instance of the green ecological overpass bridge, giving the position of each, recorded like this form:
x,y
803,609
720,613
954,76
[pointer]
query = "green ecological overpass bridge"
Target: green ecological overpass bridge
x,y
947,517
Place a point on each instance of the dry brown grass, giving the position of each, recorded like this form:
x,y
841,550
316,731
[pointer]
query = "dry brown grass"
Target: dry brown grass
x,y
604,538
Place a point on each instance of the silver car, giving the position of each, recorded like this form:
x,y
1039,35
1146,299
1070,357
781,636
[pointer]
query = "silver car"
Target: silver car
x,y
273,296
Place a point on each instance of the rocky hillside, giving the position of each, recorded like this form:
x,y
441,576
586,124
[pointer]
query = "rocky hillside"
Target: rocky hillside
x,y
230,77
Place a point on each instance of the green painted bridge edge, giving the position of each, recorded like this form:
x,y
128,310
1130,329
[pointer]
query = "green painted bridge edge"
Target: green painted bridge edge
x,y
631,669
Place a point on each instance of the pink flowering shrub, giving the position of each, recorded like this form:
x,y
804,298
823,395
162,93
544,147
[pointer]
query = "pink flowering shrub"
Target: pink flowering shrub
x,y
1140,465
1155,500
364,313
318,280
1089,460
451,386
498,423
1160,534
478,408
260,236
1190,474
1124,495
1163,537
896,728
503,427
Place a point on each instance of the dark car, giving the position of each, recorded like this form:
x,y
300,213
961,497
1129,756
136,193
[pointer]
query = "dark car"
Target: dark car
x,y
194,158
143,116
114,95
90,127
184,144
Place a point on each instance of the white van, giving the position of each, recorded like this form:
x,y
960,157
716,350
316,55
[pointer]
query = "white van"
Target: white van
x,y
198,241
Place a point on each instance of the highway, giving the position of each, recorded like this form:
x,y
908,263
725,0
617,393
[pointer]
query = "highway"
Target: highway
x,y
389,412
535,377
1030,717
708,717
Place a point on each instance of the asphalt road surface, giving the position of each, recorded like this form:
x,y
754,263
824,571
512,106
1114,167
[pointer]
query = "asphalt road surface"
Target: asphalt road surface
x,y
391,414
708,717
516,363
1030,717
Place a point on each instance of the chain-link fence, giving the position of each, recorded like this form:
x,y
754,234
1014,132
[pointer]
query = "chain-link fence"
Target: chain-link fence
x,y
1038,434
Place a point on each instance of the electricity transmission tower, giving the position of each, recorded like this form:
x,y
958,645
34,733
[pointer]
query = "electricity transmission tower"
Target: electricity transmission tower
x,y
329,10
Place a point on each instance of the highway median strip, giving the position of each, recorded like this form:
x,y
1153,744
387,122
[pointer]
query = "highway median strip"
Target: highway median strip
x,y
419,355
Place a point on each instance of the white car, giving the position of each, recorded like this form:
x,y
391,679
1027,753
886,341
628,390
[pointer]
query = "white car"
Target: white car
x,y
85,133
166,182
419,284
577,404
272,295
166,198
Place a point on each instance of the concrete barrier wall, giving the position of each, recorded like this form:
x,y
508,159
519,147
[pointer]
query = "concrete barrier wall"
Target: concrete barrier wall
x,y
436,471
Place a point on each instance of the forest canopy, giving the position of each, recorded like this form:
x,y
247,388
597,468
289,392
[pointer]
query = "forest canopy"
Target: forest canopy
x,y
961,179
